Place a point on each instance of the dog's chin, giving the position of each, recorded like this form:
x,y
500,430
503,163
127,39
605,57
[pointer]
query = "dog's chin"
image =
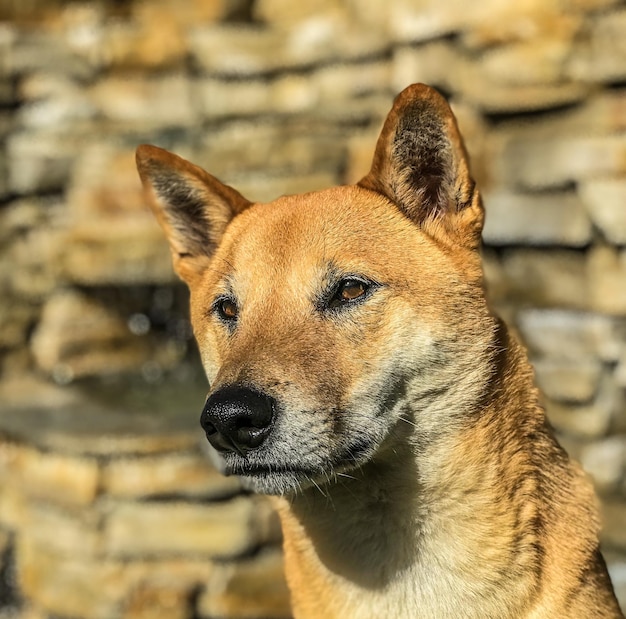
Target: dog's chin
x,y
281,483
266,474
285,479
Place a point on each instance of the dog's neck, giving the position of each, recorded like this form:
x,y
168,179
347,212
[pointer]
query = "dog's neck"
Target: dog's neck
x,y
373,540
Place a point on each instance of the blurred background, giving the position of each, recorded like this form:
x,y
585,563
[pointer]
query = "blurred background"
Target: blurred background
x,y
108,508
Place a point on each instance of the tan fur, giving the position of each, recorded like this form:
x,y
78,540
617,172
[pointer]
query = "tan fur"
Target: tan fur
x,y
414,470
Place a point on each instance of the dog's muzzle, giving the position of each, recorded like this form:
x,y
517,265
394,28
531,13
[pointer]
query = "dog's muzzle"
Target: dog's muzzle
x,y
237,419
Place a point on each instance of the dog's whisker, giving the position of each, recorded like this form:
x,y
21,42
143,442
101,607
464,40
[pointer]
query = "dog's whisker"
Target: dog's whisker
x,y
405,420
346,476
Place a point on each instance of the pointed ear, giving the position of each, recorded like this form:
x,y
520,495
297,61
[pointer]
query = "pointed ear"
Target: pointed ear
x,y
192,207
421,165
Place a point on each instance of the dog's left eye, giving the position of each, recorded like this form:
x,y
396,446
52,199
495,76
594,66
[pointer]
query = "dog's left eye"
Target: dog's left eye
x,y
226,309
349,290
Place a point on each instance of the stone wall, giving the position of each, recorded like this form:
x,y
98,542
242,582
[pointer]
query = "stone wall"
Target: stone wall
x,y
272,96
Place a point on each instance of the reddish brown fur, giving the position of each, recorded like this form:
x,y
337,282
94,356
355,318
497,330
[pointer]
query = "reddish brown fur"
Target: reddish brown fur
x,y
415,471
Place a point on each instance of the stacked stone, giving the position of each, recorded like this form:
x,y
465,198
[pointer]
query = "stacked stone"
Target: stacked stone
x,y
119,514
276,96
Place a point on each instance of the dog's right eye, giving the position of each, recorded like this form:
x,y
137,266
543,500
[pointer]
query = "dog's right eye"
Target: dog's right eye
x,y
349,290
226,308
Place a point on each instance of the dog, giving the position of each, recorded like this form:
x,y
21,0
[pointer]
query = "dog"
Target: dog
x,y
358,375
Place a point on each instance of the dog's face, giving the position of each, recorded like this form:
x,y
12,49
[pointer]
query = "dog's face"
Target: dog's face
x,y
332,324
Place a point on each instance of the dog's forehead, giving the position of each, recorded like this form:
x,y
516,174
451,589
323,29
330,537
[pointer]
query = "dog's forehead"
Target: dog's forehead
x,y
341,222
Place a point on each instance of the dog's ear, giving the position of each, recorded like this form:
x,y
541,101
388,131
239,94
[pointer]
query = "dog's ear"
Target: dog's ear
x,y
192,207
421,165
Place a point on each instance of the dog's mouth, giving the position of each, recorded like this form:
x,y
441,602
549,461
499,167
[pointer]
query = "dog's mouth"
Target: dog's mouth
x,y
278,480
266,477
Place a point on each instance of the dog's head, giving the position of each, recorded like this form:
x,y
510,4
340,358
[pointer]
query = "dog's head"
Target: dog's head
x,y
333,324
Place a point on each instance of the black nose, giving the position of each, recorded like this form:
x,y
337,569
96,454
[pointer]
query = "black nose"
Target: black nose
x,y
237,418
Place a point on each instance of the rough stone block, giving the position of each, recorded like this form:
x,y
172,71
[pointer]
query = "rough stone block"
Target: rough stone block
x,y
5,539
219,99
496,283
4,173
12,504
474,129
544,23
28,611
591,5
443,66
554,278
286,14
240,50
613,529
7,610
159,601
483,24
51,101
38,50
73,533
500,98
603,59
82,27
16,362
16,319
292,93
225,529
40,162
343,82
568,381
37,252
164,589
375,18
539,60
168,475
105,422
262,188
139,44
8,35
569,336
605,200
159,102
19,216
71,586
80,336
605,461
116,252
104,184
49,476
537,219
602,114
541,164
359,156
410,21
435,63
607,280
367,110
588,421
248,589
620,370
111,235
288,93
190,13
252,146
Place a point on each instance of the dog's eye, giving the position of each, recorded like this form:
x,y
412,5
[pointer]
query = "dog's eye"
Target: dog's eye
x,y
348,291
226,309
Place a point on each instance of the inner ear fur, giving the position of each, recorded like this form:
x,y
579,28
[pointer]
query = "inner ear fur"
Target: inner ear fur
x,y
421,165
193,207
